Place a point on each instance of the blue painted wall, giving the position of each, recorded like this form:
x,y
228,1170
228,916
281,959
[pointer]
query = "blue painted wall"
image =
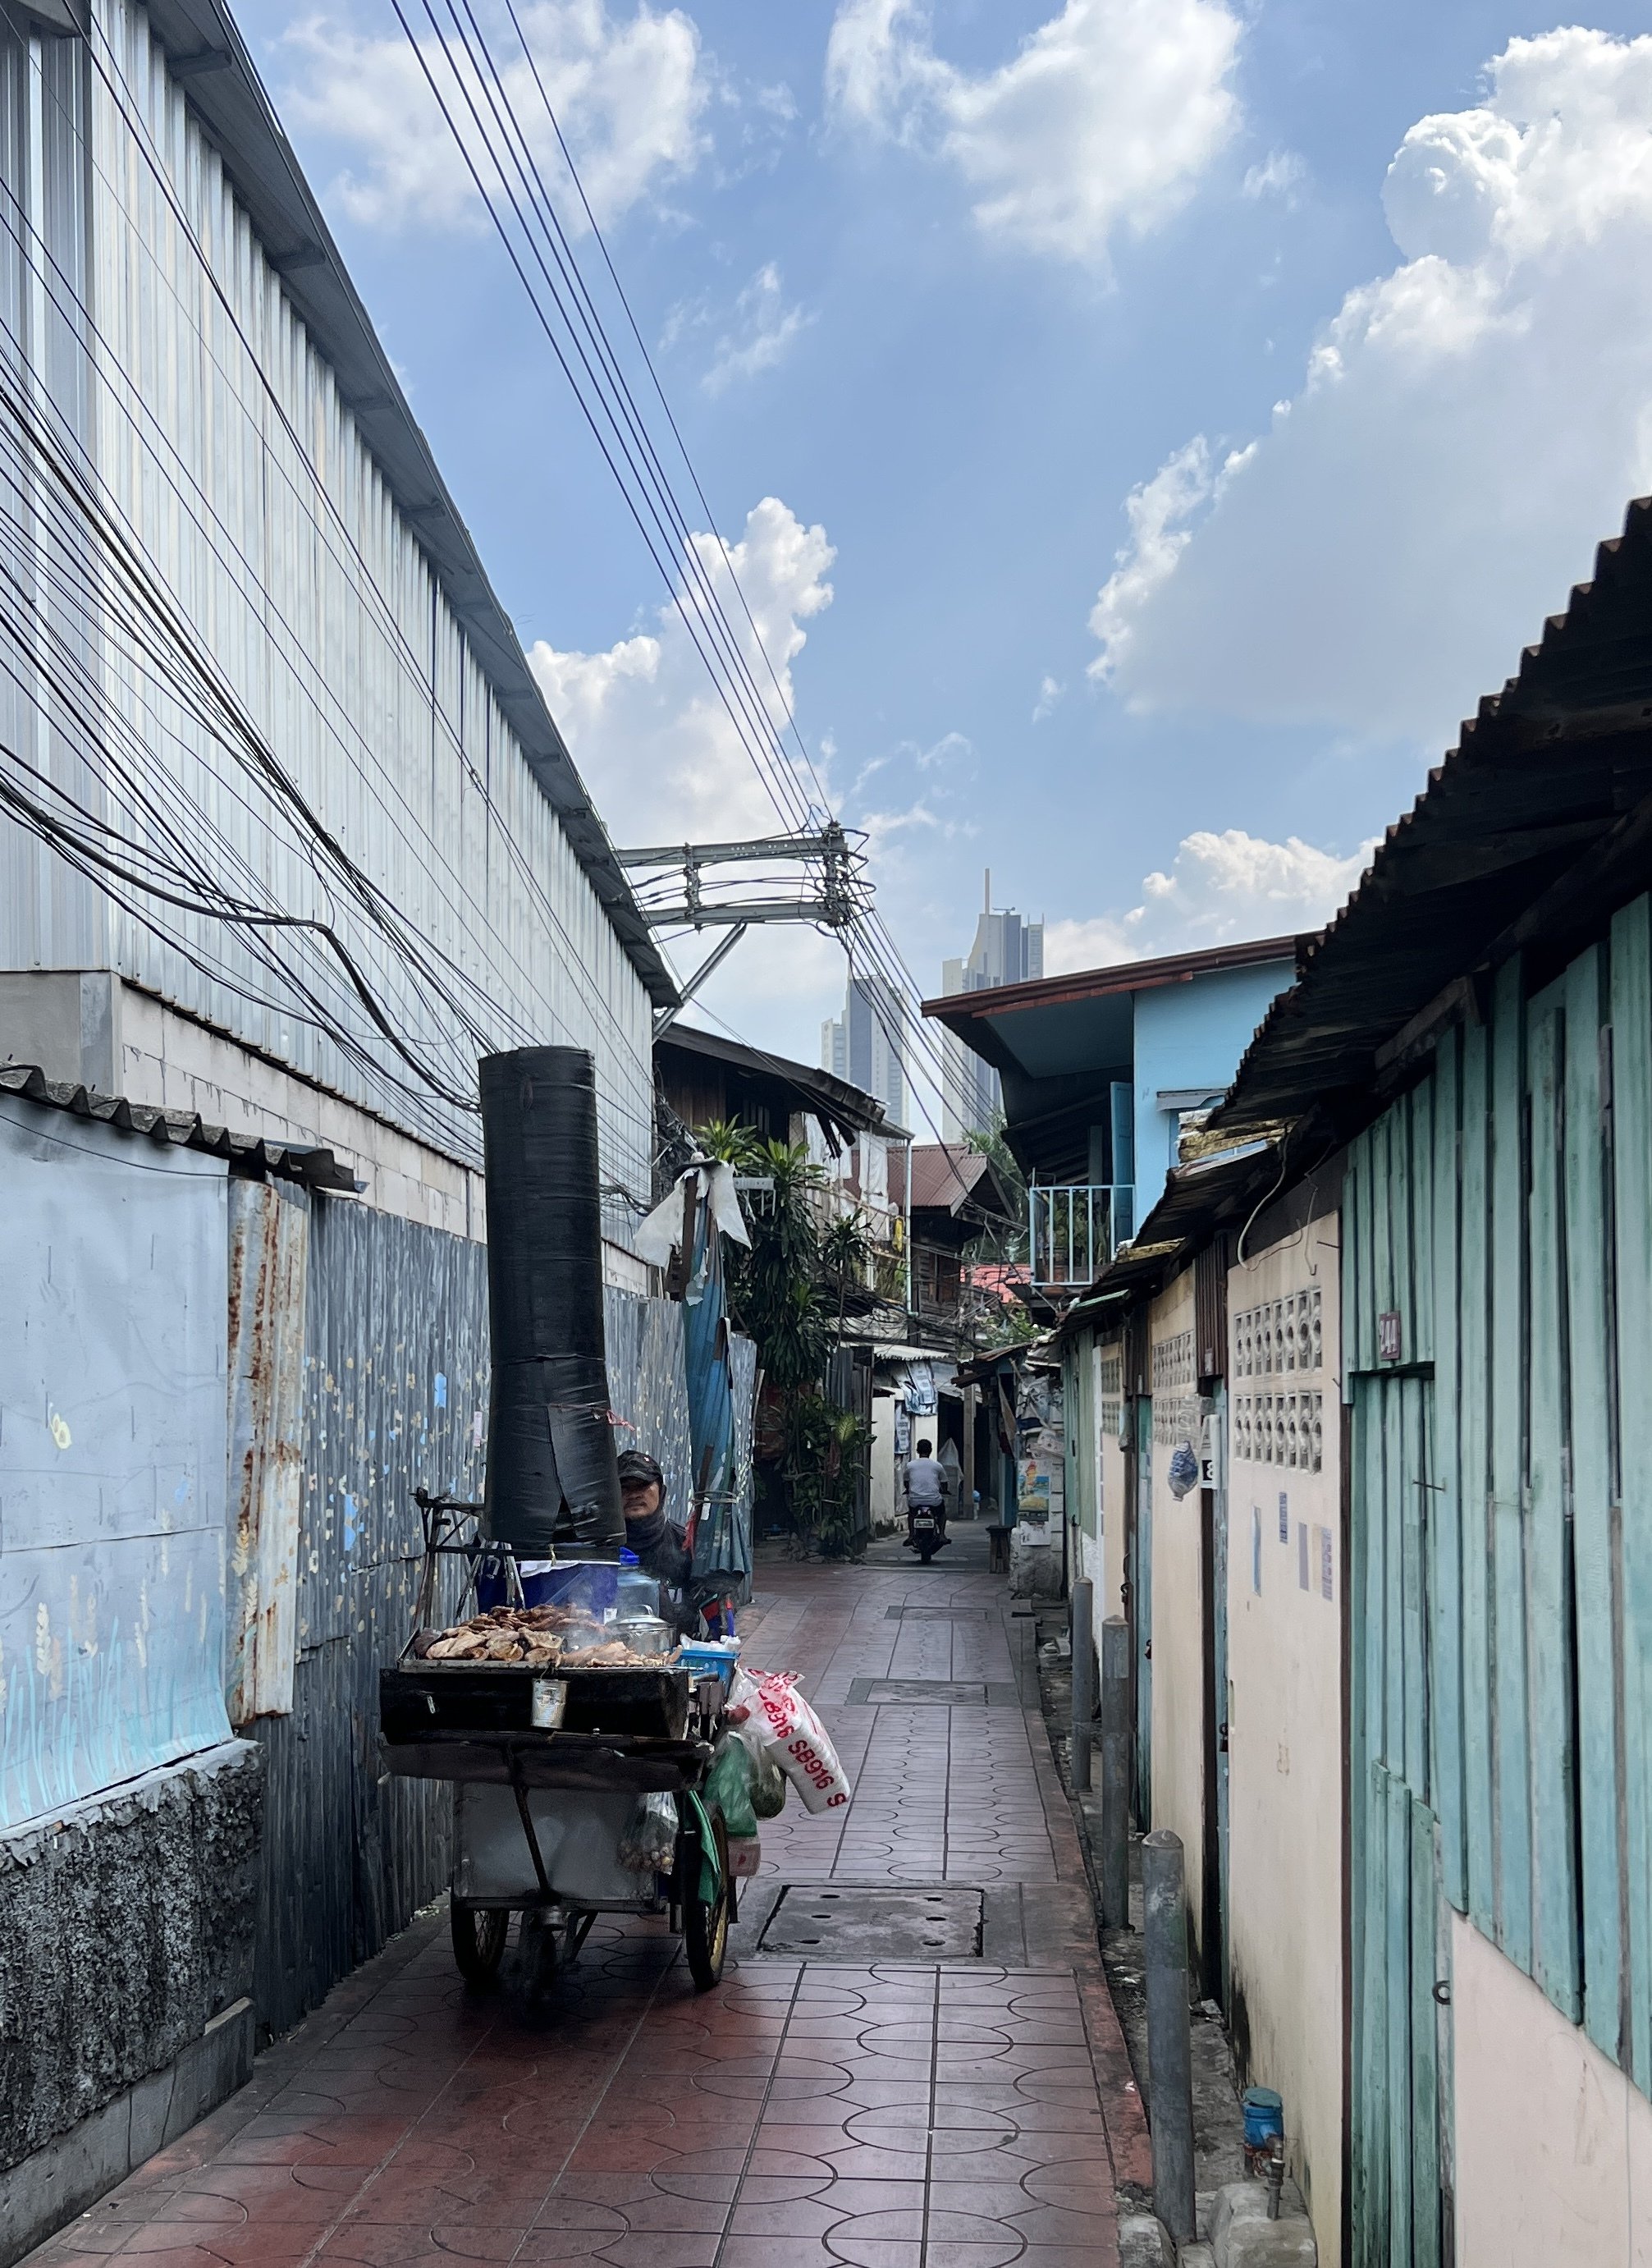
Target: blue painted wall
x,y
1191,1035
112,1443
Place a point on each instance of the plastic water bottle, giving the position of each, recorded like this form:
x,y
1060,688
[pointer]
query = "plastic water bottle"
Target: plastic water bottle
x,y
639,1594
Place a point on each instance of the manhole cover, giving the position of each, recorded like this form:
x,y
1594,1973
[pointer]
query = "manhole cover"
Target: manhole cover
x,y
857,1927
937,1614
957,1692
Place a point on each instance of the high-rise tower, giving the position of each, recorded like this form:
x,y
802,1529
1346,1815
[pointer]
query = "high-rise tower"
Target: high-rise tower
x,y
1007,951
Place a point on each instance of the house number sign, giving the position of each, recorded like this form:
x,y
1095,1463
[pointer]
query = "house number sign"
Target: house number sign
x,y
1388,1336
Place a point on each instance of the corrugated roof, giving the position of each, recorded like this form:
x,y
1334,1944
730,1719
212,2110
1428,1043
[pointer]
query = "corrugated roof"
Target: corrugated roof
x,y
248,1153
949,1176
1532,830
832,1101
220,81
955,1008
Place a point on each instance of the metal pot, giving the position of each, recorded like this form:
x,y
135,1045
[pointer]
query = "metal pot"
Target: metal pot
x,y
643,1634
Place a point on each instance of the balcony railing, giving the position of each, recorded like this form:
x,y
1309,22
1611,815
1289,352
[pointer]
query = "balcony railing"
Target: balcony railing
x,y
1073,1229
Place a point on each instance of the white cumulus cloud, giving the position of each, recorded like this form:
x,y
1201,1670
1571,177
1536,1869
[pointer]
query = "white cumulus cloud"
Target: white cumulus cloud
x,y
753,335
629,92
1105,118
1219,889
1469,425
664,758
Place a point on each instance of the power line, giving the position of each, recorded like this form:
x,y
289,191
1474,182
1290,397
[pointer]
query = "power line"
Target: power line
x,y
874,938
378,910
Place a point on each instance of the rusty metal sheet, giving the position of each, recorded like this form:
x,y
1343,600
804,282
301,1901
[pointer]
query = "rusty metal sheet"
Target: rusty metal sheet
x,y
269,1251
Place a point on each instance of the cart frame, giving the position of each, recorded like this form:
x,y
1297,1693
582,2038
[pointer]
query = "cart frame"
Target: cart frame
x,y
506,1724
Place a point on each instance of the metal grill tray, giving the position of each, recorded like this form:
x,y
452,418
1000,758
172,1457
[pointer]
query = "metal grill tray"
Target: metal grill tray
x,y
419,1699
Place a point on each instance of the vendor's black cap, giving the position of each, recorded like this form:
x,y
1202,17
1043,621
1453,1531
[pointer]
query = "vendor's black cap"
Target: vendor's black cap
x,y
638,1465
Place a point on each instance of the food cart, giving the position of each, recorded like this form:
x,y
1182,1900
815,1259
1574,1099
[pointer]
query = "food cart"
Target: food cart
x,y
554,1758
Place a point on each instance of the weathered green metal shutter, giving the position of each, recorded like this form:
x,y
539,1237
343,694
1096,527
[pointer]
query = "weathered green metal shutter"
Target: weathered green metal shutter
x,y
1398,2104
1497,1243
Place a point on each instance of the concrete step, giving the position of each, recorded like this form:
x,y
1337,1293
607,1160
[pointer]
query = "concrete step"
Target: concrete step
x,y
1242,2236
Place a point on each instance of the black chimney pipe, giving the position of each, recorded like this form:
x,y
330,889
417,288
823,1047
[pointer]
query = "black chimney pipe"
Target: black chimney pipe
x,y
551,1472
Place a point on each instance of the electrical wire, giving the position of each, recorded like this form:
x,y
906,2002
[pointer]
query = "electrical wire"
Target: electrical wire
x,y
534,203
330,518
377,908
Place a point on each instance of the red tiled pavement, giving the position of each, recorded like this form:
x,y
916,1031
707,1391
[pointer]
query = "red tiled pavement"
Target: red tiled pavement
x,y
803,2116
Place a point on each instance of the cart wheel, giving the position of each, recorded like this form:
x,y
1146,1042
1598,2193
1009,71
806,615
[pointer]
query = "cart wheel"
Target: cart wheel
x,y
706,1927
478,1939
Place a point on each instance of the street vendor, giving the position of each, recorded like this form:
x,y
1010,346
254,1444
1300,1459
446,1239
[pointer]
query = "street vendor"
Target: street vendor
x,y
660,1545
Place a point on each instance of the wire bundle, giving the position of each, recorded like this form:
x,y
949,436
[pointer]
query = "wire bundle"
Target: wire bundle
x,y
470,89
131,752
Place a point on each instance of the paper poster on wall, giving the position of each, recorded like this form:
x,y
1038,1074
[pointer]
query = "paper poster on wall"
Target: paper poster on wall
x,y
1256,1548
1284,1517
1302,1555
1324,1563
1034,1493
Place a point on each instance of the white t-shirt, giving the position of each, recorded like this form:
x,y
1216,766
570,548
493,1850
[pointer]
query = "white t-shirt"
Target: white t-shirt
x,y
926,1480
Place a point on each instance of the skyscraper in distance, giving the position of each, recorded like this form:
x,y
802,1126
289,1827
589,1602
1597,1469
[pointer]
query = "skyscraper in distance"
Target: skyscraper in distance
x,y
866,1044
1007,951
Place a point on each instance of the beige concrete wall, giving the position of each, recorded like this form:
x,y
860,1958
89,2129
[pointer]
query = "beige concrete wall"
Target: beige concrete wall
x,y
173,1062
1554,2145
1179,1796
1284,1706
1110,1409
886,1491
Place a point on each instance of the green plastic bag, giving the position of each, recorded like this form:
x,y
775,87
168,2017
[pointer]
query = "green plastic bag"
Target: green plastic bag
x,y
729,1785
768,1786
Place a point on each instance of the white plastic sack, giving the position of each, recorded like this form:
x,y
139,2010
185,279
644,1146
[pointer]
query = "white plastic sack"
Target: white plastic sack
x,y
793,1734
1035,1559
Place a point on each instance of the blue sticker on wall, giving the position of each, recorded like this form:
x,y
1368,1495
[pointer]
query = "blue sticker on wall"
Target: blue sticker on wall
x,y
441,1390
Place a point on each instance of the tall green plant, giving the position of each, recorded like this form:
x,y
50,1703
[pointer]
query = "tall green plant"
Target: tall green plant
x,y
788,1293
1005,1240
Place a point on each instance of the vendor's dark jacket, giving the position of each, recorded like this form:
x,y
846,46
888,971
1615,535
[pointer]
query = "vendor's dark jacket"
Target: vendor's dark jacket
x,y
662,1552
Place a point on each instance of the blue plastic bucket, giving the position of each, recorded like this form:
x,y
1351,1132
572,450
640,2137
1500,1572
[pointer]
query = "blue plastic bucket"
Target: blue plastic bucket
x,y
705,1658
1263,2116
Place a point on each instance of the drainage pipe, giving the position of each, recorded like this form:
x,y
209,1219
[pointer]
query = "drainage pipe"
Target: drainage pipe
x,y
1168,2038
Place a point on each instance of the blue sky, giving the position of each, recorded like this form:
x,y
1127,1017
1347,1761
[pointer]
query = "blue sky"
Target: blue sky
x,y
981,308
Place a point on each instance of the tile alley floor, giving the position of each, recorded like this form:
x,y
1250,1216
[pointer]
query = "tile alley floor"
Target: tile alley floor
x,y
804,2114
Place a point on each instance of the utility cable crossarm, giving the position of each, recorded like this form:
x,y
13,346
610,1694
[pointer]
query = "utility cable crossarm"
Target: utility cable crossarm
x,y
690,916
833,894
831,843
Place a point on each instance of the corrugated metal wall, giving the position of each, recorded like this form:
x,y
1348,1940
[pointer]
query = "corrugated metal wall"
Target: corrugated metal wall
x,y
395,1398
1497,1240
647,1387
270,525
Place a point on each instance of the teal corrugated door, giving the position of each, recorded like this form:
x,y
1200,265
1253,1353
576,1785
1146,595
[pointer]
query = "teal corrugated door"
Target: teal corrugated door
x,y
1399,2109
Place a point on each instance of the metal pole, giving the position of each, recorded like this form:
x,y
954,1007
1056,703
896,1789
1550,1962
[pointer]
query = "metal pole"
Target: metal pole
x,y
1115,1772
966,1510
1168,2040
1081,1610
